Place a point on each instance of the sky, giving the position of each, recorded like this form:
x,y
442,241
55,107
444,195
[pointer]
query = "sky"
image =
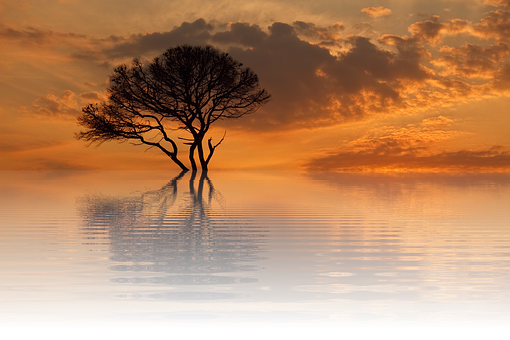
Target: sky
x,y
396,85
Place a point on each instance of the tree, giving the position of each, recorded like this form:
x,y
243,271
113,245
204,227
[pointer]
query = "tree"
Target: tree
x,y
187,88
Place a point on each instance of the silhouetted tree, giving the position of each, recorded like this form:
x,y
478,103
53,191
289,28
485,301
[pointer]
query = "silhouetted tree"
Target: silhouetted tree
x,y
186,88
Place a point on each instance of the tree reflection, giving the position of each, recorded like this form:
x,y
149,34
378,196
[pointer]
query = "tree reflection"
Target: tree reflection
x,y
190,236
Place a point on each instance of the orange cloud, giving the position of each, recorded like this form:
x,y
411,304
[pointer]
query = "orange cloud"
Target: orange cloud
x,y
376,12
414,148
492,159
495,25
324,35
498,3
472,61
68,104
401,157
501,81
392,140
432,30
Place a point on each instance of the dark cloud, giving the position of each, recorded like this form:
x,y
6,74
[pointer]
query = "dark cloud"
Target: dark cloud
x,y
288,67
241,33
37,36
310,86
472,61
195,33
325,36
427,30
316,77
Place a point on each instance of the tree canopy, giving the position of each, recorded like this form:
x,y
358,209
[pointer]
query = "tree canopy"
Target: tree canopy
x,y
187,88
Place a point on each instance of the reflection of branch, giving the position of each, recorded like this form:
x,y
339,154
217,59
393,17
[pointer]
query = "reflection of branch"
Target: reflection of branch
x,y
167,196
213,193
165,230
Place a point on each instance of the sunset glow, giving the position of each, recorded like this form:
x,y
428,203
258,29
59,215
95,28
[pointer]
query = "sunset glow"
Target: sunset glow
x,y
398,86
284,169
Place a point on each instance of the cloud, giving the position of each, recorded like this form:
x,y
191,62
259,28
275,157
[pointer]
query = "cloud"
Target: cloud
x,y
68,104
320,77
37,36
51,105
195,33
393,140
241,33
498,3
481,160
92,97
495,25
325,35
376,12
432,30
412,147
472,61
312,87
49,45
408,159
501,81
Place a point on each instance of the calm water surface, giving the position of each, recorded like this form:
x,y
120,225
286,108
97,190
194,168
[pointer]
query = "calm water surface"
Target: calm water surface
x,y
254,248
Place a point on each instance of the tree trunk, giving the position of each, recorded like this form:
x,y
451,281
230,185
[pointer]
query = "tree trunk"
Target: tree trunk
x,y
201,157
203,162
179,163
192,157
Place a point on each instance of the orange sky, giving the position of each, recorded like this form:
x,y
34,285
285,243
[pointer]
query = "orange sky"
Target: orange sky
x,y
389,85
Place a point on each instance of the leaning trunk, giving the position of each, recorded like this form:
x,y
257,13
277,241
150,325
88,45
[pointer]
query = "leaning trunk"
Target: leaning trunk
x,y
180,164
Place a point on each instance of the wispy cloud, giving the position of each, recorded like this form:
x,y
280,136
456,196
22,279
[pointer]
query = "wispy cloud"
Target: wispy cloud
x,y
497,3
37,36
409,160
376,12
67,105
415,147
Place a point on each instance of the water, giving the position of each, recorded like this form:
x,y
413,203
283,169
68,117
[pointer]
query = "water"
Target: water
x,y
147,250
